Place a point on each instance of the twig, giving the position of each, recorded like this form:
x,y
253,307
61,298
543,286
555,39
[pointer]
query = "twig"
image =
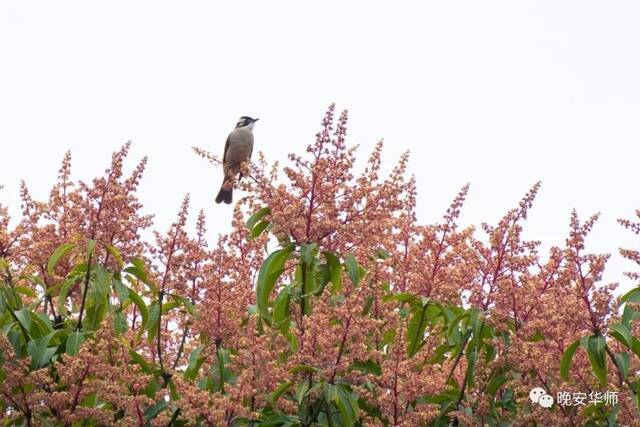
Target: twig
x,y
85,291
458,357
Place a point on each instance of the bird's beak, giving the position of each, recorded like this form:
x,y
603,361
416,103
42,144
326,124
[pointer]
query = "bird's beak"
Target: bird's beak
x,y
255,120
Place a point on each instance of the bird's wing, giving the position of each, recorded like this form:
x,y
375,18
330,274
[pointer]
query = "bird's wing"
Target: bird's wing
x,y
251,150
226,147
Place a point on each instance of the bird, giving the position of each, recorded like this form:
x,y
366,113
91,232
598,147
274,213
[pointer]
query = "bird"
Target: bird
x,y
237,150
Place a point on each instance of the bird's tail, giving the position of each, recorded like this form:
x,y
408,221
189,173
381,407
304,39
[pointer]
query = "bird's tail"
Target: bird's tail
x,y
225,194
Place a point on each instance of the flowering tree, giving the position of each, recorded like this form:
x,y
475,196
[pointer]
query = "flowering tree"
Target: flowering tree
x,y
327,304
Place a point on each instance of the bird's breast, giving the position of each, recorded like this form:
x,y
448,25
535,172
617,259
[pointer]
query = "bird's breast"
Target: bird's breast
x,y
240,146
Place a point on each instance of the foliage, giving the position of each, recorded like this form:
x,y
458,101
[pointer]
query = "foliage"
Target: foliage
x,y
328,304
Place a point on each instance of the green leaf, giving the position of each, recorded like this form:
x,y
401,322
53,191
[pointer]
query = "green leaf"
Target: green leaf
x,y
258,229
336,271
366,366
624,362
186,303
4,265
120,323
388,337
91,246
152,387
9,298
371,409
439,354
292,340
382,253
305,275
495,384
24,317
417,325
323,276
354,271
477,323
596,352
168,306
270,270
142,307
60,252
220,371
635,346
301,391
155,410
121,291
281,307
622,333
307,253
537,337
405,298
101,286
304,368
152,324
632,296
454,333
471,366
115,253
40,352
95,315
41,323
628,315
194,364
61,301
90,400
74,340
138,359
173,391
280,390
367,305
277,420
567,357
347,405
25,291
253,219
137,271
35,280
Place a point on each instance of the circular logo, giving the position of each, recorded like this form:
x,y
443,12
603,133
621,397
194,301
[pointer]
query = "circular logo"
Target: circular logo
x,y
545,401
536,393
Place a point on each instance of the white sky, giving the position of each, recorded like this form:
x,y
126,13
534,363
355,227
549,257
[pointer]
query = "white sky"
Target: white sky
x,y
499,94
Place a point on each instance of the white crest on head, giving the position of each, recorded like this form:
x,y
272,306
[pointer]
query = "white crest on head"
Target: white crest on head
x,y
246,122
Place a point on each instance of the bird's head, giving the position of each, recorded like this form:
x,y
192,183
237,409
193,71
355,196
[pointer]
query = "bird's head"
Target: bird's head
x,y
246,121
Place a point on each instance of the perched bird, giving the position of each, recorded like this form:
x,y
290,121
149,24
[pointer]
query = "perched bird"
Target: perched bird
x,y
237,150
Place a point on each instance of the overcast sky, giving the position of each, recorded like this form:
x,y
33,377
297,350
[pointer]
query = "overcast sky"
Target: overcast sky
x,y
498,94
